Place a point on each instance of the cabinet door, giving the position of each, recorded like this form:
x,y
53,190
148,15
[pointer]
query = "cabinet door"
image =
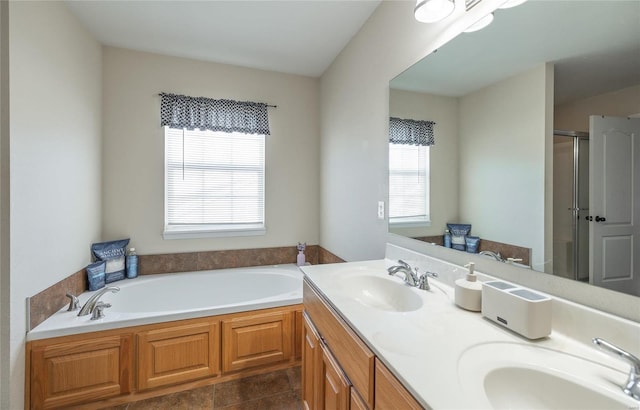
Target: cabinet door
x,y
76,372
390,393
311,362
178,354
256,340
356,402
335,387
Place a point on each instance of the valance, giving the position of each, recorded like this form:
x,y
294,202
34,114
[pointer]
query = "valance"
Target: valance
x,y
411,132
184,112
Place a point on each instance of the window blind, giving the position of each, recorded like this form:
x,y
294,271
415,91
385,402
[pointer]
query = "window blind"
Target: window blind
x,y
408,182
214,180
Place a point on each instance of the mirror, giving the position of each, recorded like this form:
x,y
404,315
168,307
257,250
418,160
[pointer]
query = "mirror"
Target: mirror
x,y
509,103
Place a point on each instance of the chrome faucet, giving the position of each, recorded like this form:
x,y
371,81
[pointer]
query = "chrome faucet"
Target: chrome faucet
x,y
91,303
632,386
494,255
403,267
423,280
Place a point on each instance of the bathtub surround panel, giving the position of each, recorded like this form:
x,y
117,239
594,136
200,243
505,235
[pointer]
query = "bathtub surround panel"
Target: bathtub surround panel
x,y
52,299
505,250
132,81
55,124
324,256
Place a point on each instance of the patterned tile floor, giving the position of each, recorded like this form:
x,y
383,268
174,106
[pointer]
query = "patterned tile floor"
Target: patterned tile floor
x,y
278,390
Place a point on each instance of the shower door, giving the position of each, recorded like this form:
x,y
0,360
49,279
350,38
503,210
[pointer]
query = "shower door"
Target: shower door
x,y
571,205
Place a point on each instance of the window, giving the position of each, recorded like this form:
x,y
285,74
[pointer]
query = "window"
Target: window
x,y
408,185
214,183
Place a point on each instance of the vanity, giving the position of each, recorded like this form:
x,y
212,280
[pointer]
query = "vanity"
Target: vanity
x,y
370,341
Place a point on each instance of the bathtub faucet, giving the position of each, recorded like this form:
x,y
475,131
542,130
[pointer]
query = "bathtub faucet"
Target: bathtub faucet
x,y
91,303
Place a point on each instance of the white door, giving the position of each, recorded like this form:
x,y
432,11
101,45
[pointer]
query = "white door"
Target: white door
x,y
614,203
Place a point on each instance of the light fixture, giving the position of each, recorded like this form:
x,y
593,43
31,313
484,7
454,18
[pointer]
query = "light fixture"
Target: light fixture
x,y
511,3
431,11
480,24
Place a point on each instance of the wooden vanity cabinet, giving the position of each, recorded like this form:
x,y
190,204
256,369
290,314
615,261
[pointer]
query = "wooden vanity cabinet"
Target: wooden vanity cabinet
x,y
355,359
79,371
390,393
339,371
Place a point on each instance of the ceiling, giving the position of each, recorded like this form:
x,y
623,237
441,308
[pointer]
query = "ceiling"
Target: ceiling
x,y
295,36
595,46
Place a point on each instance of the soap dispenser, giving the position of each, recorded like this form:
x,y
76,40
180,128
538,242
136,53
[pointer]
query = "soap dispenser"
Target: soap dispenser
x,y
469,291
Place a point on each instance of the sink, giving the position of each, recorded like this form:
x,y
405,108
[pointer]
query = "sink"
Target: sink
x,y
522,376
382,293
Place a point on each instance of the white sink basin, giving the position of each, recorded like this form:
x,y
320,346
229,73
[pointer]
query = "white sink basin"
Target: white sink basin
x,y
381,293
519,376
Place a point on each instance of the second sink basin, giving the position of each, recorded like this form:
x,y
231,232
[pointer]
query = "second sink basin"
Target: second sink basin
x,y
382,293
517,376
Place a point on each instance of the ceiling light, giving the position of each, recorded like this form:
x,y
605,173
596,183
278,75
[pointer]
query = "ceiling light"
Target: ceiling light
x,y
480,24
511,3
430,11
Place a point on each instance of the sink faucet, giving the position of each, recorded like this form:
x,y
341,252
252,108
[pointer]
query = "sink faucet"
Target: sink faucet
x,y
632,386
91,303
494,255
410,277
423,280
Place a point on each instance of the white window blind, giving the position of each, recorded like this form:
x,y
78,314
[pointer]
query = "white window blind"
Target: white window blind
x,y
214,182
408,184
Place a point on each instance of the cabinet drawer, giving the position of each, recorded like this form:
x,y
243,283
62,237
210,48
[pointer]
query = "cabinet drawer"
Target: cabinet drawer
x,y
390,393
178,354
352,354
256,340
80,371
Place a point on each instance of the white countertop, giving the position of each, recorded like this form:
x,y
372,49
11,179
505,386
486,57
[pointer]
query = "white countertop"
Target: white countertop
x,y
423,347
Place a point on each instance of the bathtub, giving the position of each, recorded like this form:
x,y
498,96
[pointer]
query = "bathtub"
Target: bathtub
x,y
173,296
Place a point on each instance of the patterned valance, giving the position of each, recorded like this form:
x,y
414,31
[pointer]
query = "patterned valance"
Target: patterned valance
x,y
181,111
411,132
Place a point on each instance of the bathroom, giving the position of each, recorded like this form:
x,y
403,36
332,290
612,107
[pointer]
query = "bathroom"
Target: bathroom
x,y
102,183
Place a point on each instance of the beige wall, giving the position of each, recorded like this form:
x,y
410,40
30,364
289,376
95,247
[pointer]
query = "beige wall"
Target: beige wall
x,y
354,113
55,133
133,148
5,295
574,116
502,126
443,154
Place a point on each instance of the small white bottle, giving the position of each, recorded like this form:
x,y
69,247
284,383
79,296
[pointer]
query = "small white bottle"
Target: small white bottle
x,y
301,259
469,291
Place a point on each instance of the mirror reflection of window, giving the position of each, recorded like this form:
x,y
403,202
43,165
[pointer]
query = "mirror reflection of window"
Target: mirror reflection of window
x,y
408,184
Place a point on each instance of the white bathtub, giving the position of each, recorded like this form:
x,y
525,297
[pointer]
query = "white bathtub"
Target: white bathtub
x,y
174,296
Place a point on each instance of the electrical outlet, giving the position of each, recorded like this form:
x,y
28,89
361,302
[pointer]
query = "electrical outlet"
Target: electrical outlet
x,y
380,209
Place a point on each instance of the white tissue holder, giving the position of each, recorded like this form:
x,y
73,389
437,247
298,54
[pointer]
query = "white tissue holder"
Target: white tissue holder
x,y
518,309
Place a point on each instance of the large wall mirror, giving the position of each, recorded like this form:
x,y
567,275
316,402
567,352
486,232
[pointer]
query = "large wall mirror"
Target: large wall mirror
x,y
522,151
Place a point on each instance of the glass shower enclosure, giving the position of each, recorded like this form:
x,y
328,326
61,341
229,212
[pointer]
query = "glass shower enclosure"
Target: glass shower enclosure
x,y
571,204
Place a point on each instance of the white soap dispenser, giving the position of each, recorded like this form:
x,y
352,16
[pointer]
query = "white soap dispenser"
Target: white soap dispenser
x,y
469,291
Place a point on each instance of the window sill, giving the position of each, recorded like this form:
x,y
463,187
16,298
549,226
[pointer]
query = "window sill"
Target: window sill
x,y
410,222
190,232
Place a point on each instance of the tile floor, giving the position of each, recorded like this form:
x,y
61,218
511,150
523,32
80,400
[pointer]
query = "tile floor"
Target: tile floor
x,y
279,390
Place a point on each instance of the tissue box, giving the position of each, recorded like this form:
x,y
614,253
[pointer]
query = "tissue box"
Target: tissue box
x,y
521,310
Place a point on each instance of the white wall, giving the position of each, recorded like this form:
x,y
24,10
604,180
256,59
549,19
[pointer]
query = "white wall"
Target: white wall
x,y
5,295
55,133
574,116
354,121
443,154
133,149
503,126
